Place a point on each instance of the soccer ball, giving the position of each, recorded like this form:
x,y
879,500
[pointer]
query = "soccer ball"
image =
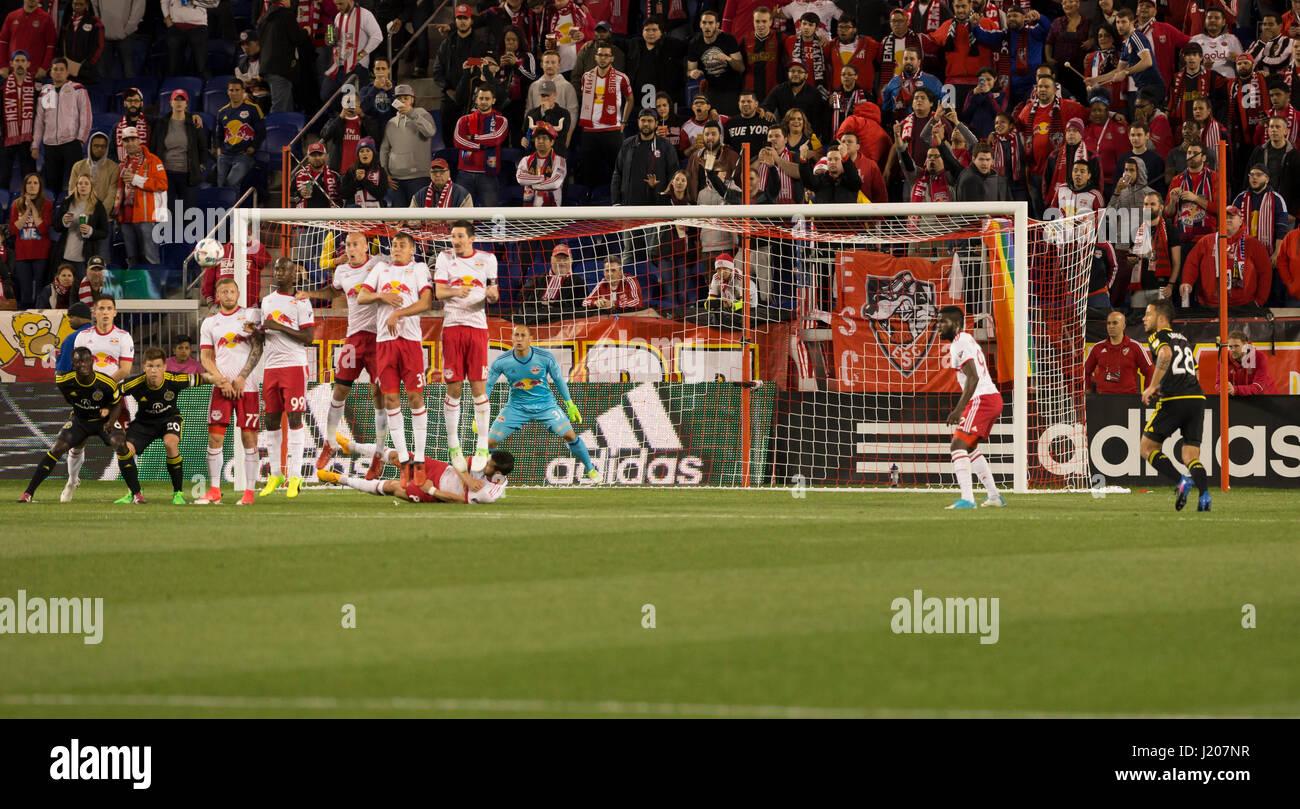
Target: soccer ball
x,y
209,253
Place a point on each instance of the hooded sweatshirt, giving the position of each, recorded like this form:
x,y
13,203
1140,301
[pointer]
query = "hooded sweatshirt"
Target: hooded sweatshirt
x,y
873,141
103,172
1129,199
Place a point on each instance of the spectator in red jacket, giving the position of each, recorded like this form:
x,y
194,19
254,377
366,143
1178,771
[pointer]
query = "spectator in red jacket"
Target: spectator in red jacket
x,y
1248,261
617,292
479,136
873,141
1247,368
1113,365
32,30
29,223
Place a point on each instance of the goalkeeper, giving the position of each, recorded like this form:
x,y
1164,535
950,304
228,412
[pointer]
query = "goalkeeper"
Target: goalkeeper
x,y
526,369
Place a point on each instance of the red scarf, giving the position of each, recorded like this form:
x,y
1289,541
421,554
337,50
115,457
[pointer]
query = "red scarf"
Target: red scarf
x,y
1189,215
554,283
813,58
123,202
20,110
785,196
936,187
536,165
607,116
349,40
443,199
1237,261
1157,261
1266,217
676,9
1056,128
323,177
933,16
1006,154
1064,163
1007,64
1185,89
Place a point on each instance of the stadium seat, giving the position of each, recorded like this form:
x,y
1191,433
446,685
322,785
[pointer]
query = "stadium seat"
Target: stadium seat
x,y
98,100
242,11
192,85
214,94
277,137
222,56
209,122
512,156
215,197
105,122
290,119
575,195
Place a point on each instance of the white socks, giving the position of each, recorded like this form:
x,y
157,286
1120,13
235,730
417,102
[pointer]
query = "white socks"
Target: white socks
x,y
451,414
420,432
381,426
332,420
397,429
981,469
214,467
364,450
252,465
275,440
363,485
961,465
482,417
297,438
76,457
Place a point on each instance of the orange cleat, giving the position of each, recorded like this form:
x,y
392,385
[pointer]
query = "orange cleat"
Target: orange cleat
x,y
417,474
212,498
247,499
323,458
376,467
405,479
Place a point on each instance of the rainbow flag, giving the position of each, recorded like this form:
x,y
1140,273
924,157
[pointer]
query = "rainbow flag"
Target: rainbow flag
x,y
997,239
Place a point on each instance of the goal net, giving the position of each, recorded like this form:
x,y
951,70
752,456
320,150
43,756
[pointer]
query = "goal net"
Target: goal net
x,y
748,346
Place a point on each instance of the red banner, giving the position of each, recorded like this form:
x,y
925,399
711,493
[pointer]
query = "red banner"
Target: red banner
x,y
885,332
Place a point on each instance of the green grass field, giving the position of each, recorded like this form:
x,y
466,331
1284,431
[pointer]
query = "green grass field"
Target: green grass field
x,y
765,605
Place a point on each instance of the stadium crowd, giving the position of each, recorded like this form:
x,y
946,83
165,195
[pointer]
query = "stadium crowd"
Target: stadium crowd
x,y
1074,106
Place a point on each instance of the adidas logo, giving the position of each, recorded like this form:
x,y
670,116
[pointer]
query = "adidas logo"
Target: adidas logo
x,y
633,455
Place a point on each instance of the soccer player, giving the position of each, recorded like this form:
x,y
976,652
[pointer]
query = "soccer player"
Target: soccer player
x,y
289,327
403,289
114,351
230,348
444,483
467,280
1180,404
96,405
979,406
526,369
156,415
358,352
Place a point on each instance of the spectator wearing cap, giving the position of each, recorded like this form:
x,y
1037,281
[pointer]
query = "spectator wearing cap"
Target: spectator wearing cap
x,y
565,95
19,117
1106,136
249,66
81,223
365,184
357,36
645,163
344,131
479,136
79,319
94,283
1263,209
715,57
550,112
557,294
587,53
141,199
316,185
441,192
121,22
405,146
1247,113
702,112
187,32
81,42
181,141
542,172
240,132
62,124
798,92
726,295
1247,368
1250,272
132,116
284,46
460,50
33,31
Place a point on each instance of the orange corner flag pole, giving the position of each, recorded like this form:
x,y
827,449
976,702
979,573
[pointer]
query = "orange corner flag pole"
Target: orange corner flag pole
x,y
744,270
1222,192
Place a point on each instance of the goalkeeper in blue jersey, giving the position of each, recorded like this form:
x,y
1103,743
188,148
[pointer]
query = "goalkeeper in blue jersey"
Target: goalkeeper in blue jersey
x,y
526,369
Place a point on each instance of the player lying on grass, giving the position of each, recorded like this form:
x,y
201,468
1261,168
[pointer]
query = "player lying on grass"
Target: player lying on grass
x,y
979,406
443,482
156,416
526,369
96,407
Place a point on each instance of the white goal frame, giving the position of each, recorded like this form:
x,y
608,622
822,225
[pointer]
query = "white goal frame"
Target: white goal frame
x,y
1017,211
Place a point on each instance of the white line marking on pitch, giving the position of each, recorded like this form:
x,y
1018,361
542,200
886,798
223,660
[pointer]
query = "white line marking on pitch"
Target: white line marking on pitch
x,y
607,707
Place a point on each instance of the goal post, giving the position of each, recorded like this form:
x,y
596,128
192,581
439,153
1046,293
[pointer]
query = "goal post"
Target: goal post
x,y
1022,283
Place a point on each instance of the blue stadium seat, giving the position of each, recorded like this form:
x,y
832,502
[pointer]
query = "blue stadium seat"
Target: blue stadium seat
x,y
98,100
242,11
512,155
292,119
277,137
105,122
215,197
209,122
214,94
222,56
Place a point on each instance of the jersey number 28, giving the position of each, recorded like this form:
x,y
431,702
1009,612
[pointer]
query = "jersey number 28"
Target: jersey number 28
x,y
1184,361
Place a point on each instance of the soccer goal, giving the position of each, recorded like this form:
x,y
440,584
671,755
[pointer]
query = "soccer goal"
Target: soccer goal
x,y
754,346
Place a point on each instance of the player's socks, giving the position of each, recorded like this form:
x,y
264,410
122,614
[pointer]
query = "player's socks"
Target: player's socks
x,y
214,468
451,417
1164,466
275,440
126,465
43,470
420,433
252,460
381,426
176,473
363,485
980,466
297,438
483,418
961,466
76,457
1198,474
332,420
579,449
397,431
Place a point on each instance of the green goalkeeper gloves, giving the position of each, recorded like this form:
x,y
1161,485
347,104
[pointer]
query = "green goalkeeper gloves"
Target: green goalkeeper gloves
x,y
572,410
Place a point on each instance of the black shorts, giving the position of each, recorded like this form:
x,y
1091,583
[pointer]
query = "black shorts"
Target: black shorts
x,y
1173,415
143,433
75,431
